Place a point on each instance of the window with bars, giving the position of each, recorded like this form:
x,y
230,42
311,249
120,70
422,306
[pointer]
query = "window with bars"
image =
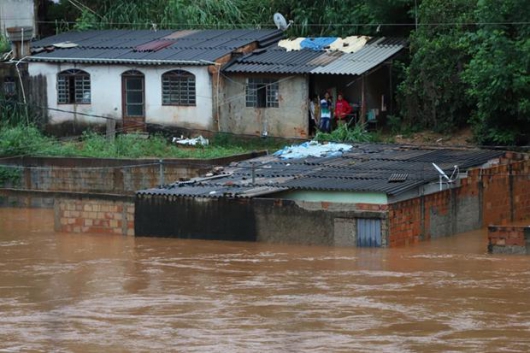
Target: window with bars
x,y
262,93
178,88
73,87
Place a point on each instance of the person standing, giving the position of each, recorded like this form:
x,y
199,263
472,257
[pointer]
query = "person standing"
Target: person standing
x,y
342,110
325,113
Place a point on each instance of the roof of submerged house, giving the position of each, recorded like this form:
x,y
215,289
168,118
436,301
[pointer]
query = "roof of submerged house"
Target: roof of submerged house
x,y
388,169
332,56
148,47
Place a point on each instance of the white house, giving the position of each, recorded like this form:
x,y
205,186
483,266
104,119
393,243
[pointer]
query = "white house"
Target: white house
x,y
138,77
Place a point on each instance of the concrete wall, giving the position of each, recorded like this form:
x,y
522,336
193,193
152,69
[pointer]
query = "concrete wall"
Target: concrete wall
x,y
313,223
16,13
340,197
106,95
264,220
101,175
289,120
26,199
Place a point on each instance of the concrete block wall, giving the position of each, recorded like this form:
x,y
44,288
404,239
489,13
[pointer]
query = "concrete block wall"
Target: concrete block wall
x,y
98,175
98,216
21,199
126,179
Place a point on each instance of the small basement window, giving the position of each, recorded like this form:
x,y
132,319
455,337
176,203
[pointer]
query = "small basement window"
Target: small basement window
x,y
262,93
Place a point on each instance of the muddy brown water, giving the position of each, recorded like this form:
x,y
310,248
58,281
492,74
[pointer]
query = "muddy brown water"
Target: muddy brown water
x,y
93,293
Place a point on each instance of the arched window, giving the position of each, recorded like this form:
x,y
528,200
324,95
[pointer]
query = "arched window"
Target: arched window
x,y
73,87
178,88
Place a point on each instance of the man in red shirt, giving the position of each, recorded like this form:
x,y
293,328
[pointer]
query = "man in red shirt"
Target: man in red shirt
x,y
342,109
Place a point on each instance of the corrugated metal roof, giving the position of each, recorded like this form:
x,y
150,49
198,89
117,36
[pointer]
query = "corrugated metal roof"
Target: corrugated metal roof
x,y
306,61
199,47
365,168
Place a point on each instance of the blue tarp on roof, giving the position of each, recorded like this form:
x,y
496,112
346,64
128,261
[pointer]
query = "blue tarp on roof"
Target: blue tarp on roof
x,y
317,43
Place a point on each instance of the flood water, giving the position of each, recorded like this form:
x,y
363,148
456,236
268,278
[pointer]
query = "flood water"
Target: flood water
x,y
94,293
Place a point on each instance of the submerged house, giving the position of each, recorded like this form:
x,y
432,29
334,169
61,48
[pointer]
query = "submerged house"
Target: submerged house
x,y
138,77
361,195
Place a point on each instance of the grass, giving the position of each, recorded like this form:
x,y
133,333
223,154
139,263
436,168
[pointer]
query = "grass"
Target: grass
x,y
28,140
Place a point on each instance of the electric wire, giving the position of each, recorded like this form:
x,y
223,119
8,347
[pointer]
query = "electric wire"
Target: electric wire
x,y
270,25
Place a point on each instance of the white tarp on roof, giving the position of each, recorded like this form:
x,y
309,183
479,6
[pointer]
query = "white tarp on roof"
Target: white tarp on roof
x,y
312,149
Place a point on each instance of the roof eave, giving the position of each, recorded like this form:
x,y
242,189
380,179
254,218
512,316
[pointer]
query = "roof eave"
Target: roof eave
x,y
120,61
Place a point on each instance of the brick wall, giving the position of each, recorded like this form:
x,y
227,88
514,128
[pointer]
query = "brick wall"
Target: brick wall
x,y
496,195
405,222
84,215
509,239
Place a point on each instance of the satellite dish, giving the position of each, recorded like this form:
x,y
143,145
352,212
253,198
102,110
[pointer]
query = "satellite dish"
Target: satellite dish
x,y
442,173
450,179
280,21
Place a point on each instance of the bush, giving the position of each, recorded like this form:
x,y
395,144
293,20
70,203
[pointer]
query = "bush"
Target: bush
x,y
345,134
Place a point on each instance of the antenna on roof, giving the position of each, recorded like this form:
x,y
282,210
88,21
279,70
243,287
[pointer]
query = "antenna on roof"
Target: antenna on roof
x,y
280,21
442,176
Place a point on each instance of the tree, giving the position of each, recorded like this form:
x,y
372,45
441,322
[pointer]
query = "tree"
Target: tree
x,y
432,94
498,74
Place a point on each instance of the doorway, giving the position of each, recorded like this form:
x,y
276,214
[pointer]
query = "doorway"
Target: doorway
x,y
133,101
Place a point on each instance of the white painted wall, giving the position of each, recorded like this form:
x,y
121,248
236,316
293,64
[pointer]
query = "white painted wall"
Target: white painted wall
x,y
16,13
107,95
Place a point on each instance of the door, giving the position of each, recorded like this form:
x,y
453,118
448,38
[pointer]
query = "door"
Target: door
x,y
133,101
368,233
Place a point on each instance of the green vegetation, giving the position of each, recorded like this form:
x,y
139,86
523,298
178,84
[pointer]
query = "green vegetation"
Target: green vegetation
x,y
468,65
10,176
28,140
4,45
345,134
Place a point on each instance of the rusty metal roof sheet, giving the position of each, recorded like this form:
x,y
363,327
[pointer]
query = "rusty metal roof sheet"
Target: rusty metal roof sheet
x,y
388,169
